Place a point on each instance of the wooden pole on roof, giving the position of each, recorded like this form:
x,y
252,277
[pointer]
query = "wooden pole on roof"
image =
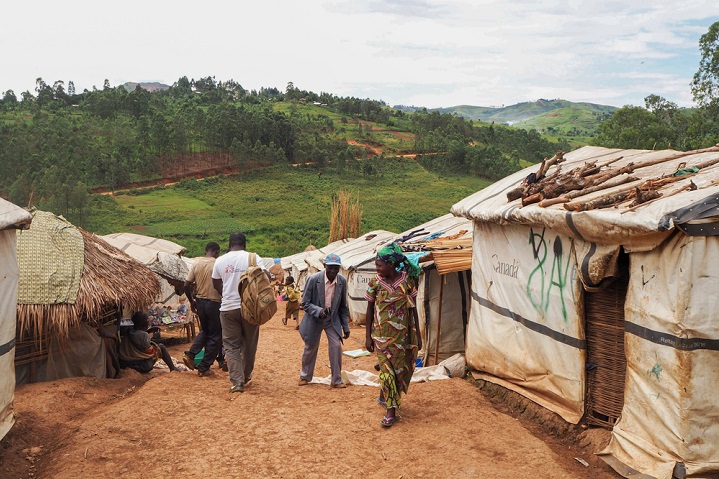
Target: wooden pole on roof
x,y
439,319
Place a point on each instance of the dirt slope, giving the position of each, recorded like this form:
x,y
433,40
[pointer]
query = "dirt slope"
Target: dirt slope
x,y
180,425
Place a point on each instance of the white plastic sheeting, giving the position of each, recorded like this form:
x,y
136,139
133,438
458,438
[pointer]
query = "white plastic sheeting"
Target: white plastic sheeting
x,y
295,266
526,328
669,421
443,309
161,256
11,217
8,307
671,412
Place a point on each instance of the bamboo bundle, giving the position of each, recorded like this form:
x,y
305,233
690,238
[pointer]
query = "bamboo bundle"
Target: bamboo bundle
x,y
452,260
345,217
110,278
449,243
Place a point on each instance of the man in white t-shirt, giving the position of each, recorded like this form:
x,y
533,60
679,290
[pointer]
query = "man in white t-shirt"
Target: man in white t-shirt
x,y
238,336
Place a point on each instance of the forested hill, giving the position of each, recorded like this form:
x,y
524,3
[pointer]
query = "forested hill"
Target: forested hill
x,y
58,145
526,111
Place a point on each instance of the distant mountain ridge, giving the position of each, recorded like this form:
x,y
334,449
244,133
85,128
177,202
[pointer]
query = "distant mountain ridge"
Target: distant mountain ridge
x,y
149,86
521,112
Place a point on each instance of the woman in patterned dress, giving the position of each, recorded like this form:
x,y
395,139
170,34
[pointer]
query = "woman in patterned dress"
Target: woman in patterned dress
x,y
392,326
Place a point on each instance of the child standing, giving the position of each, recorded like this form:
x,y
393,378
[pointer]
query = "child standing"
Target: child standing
x,y
292,295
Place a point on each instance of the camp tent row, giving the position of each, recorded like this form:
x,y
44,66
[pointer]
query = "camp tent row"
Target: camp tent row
x,y
11,218
608,314
443,296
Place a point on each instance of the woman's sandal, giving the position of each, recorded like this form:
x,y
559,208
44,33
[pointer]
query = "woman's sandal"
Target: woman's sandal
x,y
388,421
382,402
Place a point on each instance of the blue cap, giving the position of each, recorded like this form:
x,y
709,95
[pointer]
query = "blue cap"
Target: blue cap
x,y
333,259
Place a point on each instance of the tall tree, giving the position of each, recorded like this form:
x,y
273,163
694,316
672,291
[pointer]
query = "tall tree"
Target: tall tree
x,y
705,86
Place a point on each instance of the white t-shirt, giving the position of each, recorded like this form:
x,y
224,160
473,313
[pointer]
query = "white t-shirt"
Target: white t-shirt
x,y
229,267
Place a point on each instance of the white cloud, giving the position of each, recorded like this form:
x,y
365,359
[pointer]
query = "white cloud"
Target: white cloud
x,y
431,53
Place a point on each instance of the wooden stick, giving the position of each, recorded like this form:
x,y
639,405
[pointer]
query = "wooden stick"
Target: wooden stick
x,y
691,186
553,201
439,321
601,202
604,186
531,199
548,162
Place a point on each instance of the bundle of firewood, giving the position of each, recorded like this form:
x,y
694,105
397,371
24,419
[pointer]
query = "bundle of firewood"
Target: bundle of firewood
x,y
546,189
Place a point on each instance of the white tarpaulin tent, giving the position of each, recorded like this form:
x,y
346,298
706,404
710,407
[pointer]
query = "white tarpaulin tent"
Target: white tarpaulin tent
x,y
647,361
443,299
163,257
295,266
11,218
316,259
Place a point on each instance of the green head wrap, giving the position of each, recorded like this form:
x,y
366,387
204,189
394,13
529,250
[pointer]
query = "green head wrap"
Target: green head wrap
x,y
392,253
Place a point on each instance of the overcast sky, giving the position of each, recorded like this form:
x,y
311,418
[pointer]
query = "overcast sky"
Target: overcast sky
x,y
433,53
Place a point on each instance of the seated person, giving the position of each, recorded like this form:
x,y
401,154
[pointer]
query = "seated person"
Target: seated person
x,y
137,351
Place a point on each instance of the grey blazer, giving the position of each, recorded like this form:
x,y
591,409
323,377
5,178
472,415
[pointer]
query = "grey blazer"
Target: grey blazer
x,y
313,302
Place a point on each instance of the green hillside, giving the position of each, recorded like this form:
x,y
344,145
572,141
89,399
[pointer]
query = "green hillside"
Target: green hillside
x,y
269,161
282,209
576,123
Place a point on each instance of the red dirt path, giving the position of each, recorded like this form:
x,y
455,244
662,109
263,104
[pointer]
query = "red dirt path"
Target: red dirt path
x,y
180,425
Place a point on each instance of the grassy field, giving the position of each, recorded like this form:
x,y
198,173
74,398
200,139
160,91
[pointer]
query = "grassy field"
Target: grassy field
x,y
281,209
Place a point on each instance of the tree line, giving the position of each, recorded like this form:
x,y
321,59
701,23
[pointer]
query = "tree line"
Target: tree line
x,y
661,124
57,144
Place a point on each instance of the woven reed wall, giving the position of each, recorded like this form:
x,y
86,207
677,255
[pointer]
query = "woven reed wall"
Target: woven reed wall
x,y
604,312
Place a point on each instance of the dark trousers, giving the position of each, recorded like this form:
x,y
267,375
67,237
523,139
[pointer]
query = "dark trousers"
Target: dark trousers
x,y
210,337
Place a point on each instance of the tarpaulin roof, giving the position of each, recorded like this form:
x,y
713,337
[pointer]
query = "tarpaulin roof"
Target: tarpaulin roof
x,y
360,250
161,256
447,237
683,200
316,258
12,216
297,260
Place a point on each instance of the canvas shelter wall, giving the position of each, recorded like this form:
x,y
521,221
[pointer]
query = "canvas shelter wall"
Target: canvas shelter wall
x,y
447,309
11,217
671,408
357,281
8,307
525,326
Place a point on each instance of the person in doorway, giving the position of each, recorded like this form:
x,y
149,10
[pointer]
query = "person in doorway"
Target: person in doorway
x,y
238,336
292,295
205,302
392,326
137,351
325,304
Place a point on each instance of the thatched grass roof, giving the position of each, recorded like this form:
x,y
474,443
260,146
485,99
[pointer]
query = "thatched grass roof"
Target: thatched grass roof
x,y
110,278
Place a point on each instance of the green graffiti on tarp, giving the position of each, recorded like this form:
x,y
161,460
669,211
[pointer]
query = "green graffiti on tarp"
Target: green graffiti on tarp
x,y
656,371
557,277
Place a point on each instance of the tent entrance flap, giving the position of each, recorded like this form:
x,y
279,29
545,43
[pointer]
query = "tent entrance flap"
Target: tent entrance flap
x,y
606,360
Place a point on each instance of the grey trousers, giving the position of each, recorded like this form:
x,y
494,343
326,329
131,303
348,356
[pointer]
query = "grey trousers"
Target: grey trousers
x,y
309,355
240,341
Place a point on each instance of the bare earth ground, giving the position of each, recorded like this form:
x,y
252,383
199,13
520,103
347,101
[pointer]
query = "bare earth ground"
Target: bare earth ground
x,y
165,424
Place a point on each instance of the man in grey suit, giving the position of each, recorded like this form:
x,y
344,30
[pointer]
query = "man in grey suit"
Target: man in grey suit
x,y
325,304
